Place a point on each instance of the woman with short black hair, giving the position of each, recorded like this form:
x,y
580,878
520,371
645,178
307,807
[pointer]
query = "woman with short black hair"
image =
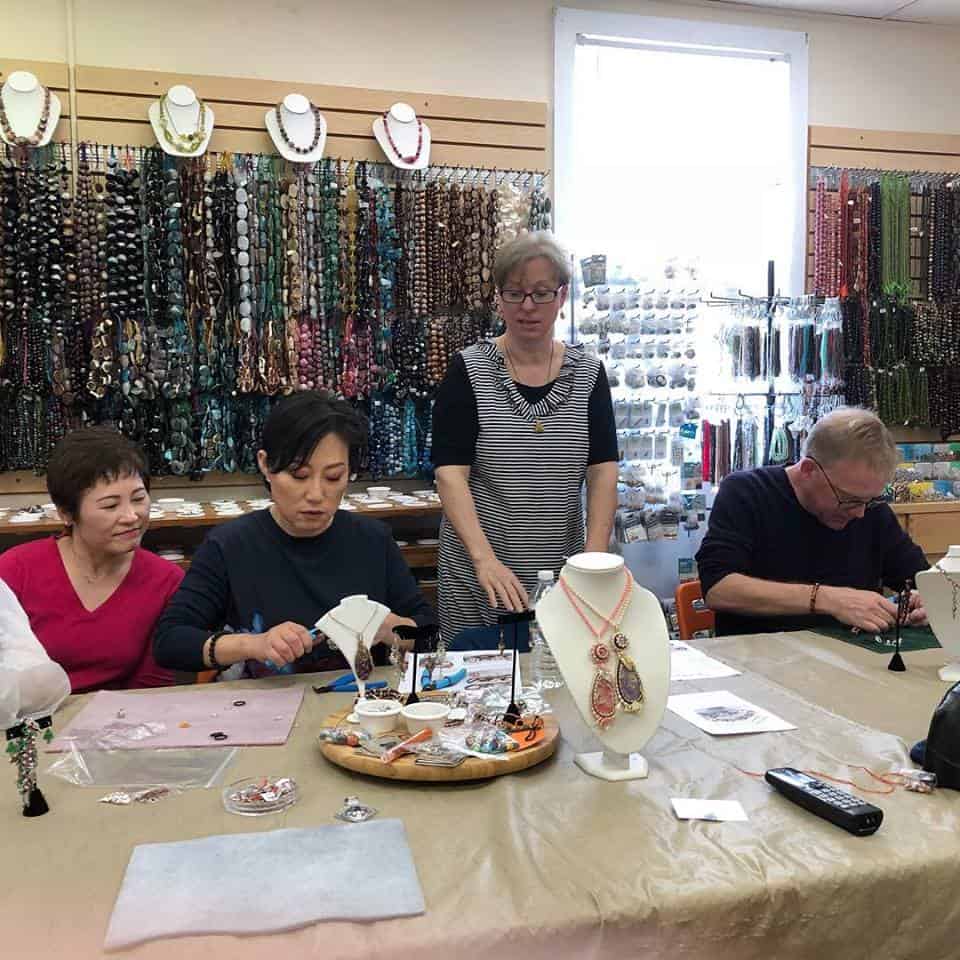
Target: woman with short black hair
x,y
259,582
93,594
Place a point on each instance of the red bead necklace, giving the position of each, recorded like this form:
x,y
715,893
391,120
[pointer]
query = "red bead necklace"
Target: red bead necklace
x,y
414,157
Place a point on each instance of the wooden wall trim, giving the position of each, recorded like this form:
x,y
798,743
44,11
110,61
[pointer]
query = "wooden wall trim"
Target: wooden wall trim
x,y
468,131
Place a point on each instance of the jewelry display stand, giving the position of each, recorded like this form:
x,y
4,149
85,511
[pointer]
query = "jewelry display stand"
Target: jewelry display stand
x,y
626,611
354,619
176,118
403,137
32,687
30,110
298,129
940,590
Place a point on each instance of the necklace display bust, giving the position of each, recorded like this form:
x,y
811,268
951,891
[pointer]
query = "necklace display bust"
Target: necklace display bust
x,y
29,112
182,123
354,619
940,591
600,626
403,137
298,129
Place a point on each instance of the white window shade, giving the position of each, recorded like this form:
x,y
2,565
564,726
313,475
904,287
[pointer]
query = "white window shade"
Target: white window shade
x,y
682,139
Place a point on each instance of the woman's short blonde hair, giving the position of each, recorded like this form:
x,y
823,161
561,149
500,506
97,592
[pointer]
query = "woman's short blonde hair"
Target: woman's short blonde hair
x,y
529,246
853,434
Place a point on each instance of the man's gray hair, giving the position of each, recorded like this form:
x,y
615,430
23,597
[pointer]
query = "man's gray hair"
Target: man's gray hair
x,y
529,246
853,434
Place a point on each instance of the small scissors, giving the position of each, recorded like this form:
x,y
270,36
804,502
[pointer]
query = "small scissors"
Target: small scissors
x,y
348,684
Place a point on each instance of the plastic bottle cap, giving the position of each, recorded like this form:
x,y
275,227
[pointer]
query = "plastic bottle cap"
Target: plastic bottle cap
x,y
545,576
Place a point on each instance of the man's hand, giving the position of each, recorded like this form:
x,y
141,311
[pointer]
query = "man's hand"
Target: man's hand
x,y
864,609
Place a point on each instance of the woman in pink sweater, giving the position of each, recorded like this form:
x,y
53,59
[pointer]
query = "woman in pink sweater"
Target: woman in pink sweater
x,y
93,594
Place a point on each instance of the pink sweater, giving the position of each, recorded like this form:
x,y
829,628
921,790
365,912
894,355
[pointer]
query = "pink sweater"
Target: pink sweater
x,y
109,647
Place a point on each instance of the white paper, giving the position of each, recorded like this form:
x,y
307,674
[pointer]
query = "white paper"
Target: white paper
x,y
721,713
688,663
485,668
691,809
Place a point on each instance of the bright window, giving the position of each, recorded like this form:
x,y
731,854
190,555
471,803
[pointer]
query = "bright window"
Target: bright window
x,y
682,139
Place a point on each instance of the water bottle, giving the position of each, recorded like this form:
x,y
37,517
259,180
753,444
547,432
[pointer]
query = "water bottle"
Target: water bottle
x,y
545,674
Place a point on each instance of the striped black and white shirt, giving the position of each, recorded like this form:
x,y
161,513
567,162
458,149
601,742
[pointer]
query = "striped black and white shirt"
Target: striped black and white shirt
x,y
528,449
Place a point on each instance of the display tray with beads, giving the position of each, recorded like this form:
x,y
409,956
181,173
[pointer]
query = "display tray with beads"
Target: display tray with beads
x,y
473,768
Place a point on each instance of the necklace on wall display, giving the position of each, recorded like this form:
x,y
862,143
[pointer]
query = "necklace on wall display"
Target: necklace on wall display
x,y
31,139
363,665
605,693
184,142
288,140
413,158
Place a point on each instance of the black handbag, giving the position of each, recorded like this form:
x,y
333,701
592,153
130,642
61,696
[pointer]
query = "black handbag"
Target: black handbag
x,y
942,752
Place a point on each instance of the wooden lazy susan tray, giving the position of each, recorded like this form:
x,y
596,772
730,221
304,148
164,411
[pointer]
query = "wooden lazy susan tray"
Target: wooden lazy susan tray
x,y
473,768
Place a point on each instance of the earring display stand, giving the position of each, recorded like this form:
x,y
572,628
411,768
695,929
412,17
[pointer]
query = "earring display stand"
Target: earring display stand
x,y
512,713
422,637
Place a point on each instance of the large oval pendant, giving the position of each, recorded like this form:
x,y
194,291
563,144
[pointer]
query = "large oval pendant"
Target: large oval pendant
x,y
364,662
603,699
629,685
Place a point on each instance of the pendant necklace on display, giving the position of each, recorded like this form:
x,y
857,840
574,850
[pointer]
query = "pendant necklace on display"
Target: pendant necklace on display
x,y
288,140
32,139
413,158
363,665
182,141
606,694
538,426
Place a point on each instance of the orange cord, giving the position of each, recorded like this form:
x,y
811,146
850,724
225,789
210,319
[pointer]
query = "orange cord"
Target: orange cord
x,y
891,784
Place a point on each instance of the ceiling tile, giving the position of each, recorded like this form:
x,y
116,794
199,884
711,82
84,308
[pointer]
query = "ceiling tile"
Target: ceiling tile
x,y
946,12
852,8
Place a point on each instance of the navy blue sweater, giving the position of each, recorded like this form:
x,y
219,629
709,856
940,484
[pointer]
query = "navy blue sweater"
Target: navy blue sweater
x,y
758,528
249,566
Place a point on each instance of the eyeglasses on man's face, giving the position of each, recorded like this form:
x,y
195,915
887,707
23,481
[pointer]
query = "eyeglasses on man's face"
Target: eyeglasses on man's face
x,y
847,502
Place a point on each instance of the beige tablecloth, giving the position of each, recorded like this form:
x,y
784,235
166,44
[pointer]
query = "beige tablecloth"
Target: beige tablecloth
x,y
551,862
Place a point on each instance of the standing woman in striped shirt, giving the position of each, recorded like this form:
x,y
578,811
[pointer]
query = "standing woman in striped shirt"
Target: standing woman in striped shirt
x,y
521,422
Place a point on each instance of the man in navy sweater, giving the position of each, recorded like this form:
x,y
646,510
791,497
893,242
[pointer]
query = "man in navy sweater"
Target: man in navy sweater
x,y
797,547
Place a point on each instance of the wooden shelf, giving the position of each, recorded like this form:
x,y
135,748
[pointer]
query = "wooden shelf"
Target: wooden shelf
x,y
932,506
210,518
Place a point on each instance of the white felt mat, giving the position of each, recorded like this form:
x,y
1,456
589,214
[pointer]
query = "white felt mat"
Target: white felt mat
x,y
266,882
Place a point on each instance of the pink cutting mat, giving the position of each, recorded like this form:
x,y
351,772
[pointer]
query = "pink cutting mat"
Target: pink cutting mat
x,y
115,718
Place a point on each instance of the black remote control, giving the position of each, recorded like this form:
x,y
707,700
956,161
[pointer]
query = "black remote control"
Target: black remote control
x,y
856,816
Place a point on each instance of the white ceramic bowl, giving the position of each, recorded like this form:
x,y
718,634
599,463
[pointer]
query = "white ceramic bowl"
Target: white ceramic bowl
x,y
377,716
378,493
423,715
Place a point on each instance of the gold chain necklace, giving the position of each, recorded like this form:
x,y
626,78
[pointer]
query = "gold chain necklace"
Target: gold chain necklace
x,y
537,422
185,142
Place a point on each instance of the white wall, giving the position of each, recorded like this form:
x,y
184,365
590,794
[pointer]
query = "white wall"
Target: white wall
x,y
863,73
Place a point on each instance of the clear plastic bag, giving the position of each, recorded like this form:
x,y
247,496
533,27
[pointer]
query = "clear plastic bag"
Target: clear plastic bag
x,y
100,760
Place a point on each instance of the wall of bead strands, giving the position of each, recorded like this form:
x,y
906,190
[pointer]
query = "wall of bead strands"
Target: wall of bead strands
x,y
888,245
178,299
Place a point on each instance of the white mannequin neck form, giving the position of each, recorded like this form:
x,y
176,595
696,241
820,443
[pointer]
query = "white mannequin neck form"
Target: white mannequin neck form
x,y
354,617
407,135
301,124
23,98
600,579
937,589
184,114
